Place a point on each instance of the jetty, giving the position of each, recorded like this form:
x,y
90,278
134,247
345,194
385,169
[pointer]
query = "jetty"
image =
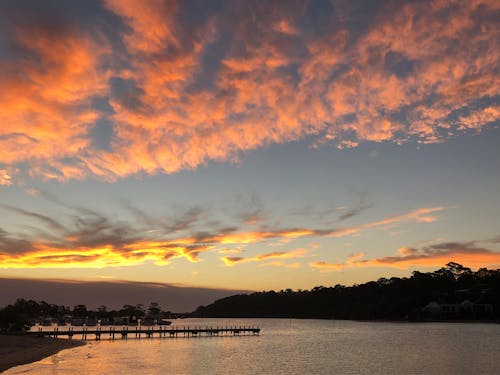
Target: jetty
x,y
112,333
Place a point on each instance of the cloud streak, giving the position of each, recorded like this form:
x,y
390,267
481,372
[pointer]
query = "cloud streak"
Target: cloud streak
x,y
179,92
467,253
299,253
88,239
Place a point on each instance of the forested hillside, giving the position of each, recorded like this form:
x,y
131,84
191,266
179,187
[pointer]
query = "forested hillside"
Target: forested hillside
x,y
452,292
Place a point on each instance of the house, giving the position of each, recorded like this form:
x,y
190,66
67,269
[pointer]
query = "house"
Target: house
x,y
464,310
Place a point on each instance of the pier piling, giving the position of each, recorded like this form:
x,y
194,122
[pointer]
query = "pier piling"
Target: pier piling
x,y
148,332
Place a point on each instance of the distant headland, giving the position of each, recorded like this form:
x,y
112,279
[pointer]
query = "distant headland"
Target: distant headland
x,y
452,293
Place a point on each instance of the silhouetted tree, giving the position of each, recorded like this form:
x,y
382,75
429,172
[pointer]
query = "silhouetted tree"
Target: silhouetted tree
x,y
154,309
80,310
394,298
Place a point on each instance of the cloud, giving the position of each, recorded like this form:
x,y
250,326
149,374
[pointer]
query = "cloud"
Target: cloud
x,y
48,221
253,218
14,244
478,119
467,253
421,215
46,91
351,260
180,92
282,264
418,52
88,239
298,253
151,23
5,177
347,214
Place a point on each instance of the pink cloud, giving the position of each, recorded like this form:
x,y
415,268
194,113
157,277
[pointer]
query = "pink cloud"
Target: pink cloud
x,y
407,75
46,113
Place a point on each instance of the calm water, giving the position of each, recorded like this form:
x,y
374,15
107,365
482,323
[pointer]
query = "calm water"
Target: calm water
x,y
292,347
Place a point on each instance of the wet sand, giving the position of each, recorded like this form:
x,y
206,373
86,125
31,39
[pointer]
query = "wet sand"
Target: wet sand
x,y
19,350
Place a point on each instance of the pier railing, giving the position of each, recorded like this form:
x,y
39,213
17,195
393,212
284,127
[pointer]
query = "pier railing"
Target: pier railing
x,y
111,332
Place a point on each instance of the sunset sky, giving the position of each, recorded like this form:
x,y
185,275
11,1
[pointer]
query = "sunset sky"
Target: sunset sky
x,y
248,144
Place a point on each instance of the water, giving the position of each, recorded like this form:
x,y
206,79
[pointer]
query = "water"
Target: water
x,y
292,347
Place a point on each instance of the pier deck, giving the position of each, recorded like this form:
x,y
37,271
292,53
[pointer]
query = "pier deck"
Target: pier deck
x,y
126,332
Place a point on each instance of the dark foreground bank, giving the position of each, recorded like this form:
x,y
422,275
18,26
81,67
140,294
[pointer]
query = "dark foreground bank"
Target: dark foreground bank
x,y
19,350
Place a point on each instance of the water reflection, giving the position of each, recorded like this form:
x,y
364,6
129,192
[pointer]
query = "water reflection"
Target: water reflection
x,y
293,347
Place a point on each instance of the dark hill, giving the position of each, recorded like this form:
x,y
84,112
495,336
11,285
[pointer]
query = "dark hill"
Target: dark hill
x,y
452,292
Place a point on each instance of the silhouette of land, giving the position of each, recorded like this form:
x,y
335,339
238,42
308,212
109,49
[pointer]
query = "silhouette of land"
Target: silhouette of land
x,y
451,293
23,314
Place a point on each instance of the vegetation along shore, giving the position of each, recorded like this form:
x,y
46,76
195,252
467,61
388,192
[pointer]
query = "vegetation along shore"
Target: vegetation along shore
x,y
452,293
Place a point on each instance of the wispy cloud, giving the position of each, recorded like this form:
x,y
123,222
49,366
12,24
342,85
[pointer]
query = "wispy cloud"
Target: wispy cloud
x,y
412,71
354,211
350,262
467,253
281,264
85,238
5,177
52,224
299,253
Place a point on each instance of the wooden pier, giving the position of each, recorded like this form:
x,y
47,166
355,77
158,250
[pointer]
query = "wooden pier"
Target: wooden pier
x,y
138,332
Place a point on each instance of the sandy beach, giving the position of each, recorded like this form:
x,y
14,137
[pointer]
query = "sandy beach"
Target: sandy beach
x,y
19,350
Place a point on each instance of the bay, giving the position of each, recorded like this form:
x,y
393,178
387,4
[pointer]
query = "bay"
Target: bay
x,y
290,346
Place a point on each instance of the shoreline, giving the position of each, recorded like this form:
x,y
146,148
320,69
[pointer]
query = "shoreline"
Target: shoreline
x,y
21,350
473,321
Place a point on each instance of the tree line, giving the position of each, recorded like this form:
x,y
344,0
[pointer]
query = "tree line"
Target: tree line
x,y
452,292
24,313
423,296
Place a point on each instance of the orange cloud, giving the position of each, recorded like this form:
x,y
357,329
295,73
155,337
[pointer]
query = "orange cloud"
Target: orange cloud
x,y
51,107
421,215
282,264
46,256
476,120
135,253
299,253
401,63
351,261
5,177
46,113
385,76
253,219
419,70
151,23
93,240
327,266
467,253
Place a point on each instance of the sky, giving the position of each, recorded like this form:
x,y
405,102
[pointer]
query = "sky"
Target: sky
x,y
248,145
